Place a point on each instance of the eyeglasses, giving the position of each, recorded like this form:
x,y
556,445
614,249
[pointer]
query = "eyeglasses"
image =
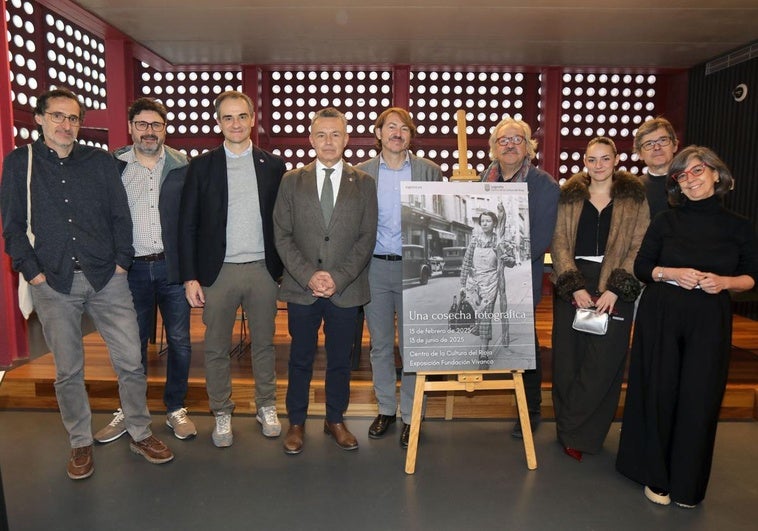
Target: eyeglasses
x,y
695,171
139,125
514,140
60,117
660,142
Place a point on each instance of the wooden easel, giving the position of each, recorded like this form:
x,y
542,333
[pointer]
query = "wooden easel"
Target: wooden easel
x,y
468,381
463,173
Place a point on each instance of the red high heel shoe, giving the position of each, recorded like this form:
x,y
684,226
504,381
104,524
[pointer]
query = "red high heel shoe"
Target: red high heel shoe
x,y
571,452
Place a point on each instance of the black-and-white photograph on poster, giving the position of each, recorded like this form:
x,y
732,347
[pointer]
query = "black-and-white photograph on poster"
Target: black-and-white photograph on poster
x,y
467,295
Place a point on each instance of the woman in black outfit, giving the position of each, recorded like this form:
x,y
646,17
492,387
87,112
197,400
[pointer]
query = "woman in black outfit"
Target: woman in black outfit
x,y
691,257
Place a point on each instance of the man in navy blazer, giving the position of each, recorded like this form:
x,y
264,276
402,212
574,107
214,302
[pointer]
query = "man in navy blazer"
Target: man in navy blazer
x,y
228,259
325,227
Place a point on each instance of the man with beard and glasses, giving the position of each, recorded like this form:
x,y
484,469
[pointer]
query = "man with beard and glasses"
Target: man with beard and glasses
x,y
512,150
153,175
394,129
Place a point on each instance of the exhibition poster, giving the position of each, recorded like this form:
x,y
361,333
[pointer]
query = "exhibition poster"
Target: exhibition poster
x,y
467,286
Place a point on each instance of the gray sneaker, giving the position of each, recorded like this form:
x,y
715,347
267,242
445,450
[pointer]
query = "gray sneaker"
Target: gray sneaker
x,y
181,424
115,429
222,433
269,421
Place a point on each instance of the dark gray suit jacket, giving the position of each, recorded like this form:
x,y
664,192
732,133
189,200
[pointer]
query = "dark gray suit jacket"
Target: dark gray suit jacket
x,y
307,245
421,169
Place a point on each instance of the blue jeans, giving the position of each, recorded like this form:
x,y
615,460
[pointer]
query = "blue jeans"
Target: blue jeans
x,y
149,284
339,328
112,311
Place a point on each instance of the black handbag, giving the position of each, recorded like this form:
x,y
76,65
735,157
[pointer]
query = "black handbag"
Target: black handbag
x,y
462,317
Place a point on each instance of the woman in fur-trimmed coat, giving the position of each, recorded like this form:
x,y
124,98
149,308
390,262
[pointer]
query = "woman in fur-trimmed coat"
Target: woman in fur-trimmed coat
x,y
602,218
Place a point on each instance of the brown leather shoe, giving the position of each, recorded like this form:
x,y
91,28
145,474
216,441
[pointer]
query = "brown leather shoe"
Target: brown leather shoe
x,y
293,441
341,434
80,464
152,449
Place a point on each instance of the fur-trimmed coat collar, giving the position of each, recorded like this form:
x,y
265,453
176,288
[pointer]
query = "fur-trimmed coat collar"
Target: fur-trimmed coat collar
x,y
625,186
629,222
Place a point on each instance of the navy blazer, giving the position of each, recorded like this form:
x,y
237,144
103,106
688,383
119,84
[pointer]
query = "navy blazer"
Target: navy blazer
x,y
204,210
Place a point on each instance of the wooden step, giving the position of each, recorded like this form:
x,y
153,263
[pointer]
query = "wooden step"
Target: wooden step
x,y
30,385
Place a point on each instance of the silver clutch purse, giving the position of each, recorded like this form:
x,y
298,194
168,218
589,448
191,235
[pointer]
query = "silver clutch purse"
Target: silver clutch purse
x,y
589,321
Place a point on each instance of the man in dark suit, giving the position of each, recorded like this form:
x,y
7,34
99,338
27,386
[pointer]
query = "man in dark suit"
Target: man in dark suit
x,y
325,227
227,258
394,129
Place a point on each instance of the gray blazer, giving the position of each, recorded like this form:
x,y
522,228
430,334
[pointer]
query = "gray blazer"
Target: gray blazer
x,y
307,245
421,169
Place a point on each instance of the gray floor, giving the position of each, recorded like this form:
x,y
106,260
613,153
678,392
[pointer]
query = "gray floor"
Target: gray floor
x,y
470,475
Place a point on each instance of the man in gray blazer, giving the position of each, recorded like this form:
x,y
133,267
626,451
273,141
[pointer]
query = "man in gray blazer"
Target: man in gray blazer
x,y
394,130
325,230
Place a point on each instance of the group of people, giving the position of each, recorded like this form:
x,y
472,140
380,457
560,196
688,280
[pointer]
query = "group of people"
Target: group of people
x,y
118,233
669,236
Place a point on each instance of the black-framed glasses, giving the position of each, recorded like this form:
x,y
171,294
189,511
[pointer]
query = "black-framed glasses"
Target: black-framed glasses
x,y
696,171
60,117
140,125
660,142
513,140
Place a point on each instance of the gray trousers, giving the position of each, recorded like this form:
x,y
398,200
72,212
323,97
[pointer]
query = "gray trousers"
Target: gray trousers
x,y
386,281
248,285
112,311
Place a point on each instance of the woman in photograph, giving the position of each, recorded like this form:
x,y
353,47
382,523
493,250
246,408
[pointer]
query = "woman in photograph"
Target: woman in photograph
x,y
602,217
692,256
483,280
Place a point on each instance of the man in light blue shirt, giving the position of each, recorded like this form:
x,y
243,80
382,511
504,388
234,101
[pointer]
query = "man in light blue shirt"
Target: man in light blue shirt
x,y
394,130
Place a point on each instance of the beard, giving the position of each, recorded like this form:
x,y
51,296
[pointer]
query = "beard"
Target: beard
x,y
148,149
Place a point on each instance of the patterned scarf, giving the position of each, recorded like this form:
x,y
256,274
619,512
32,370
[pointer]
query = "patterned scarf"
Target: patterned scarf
x,y
493,174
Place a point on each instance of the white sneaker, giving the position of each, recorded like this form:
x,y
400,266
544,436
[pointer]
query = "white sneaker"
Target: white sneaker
x,y
269,421
685,505
222,433
181,424
115,428
657,496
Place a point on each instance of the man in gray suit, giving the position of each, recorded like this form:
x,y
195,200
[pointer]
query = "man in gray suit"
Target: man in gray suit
x,y
394,130
325,230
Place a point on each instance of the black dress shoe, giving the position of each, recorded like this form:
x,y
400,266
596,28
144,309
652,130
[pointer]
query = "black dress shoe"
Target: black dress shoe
x,y
405,435
380,426
534,421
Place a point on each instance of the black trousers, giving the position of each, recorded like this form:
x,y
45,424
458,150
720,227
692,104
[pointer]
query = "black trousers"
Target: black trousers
x,y
588,370
677,378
